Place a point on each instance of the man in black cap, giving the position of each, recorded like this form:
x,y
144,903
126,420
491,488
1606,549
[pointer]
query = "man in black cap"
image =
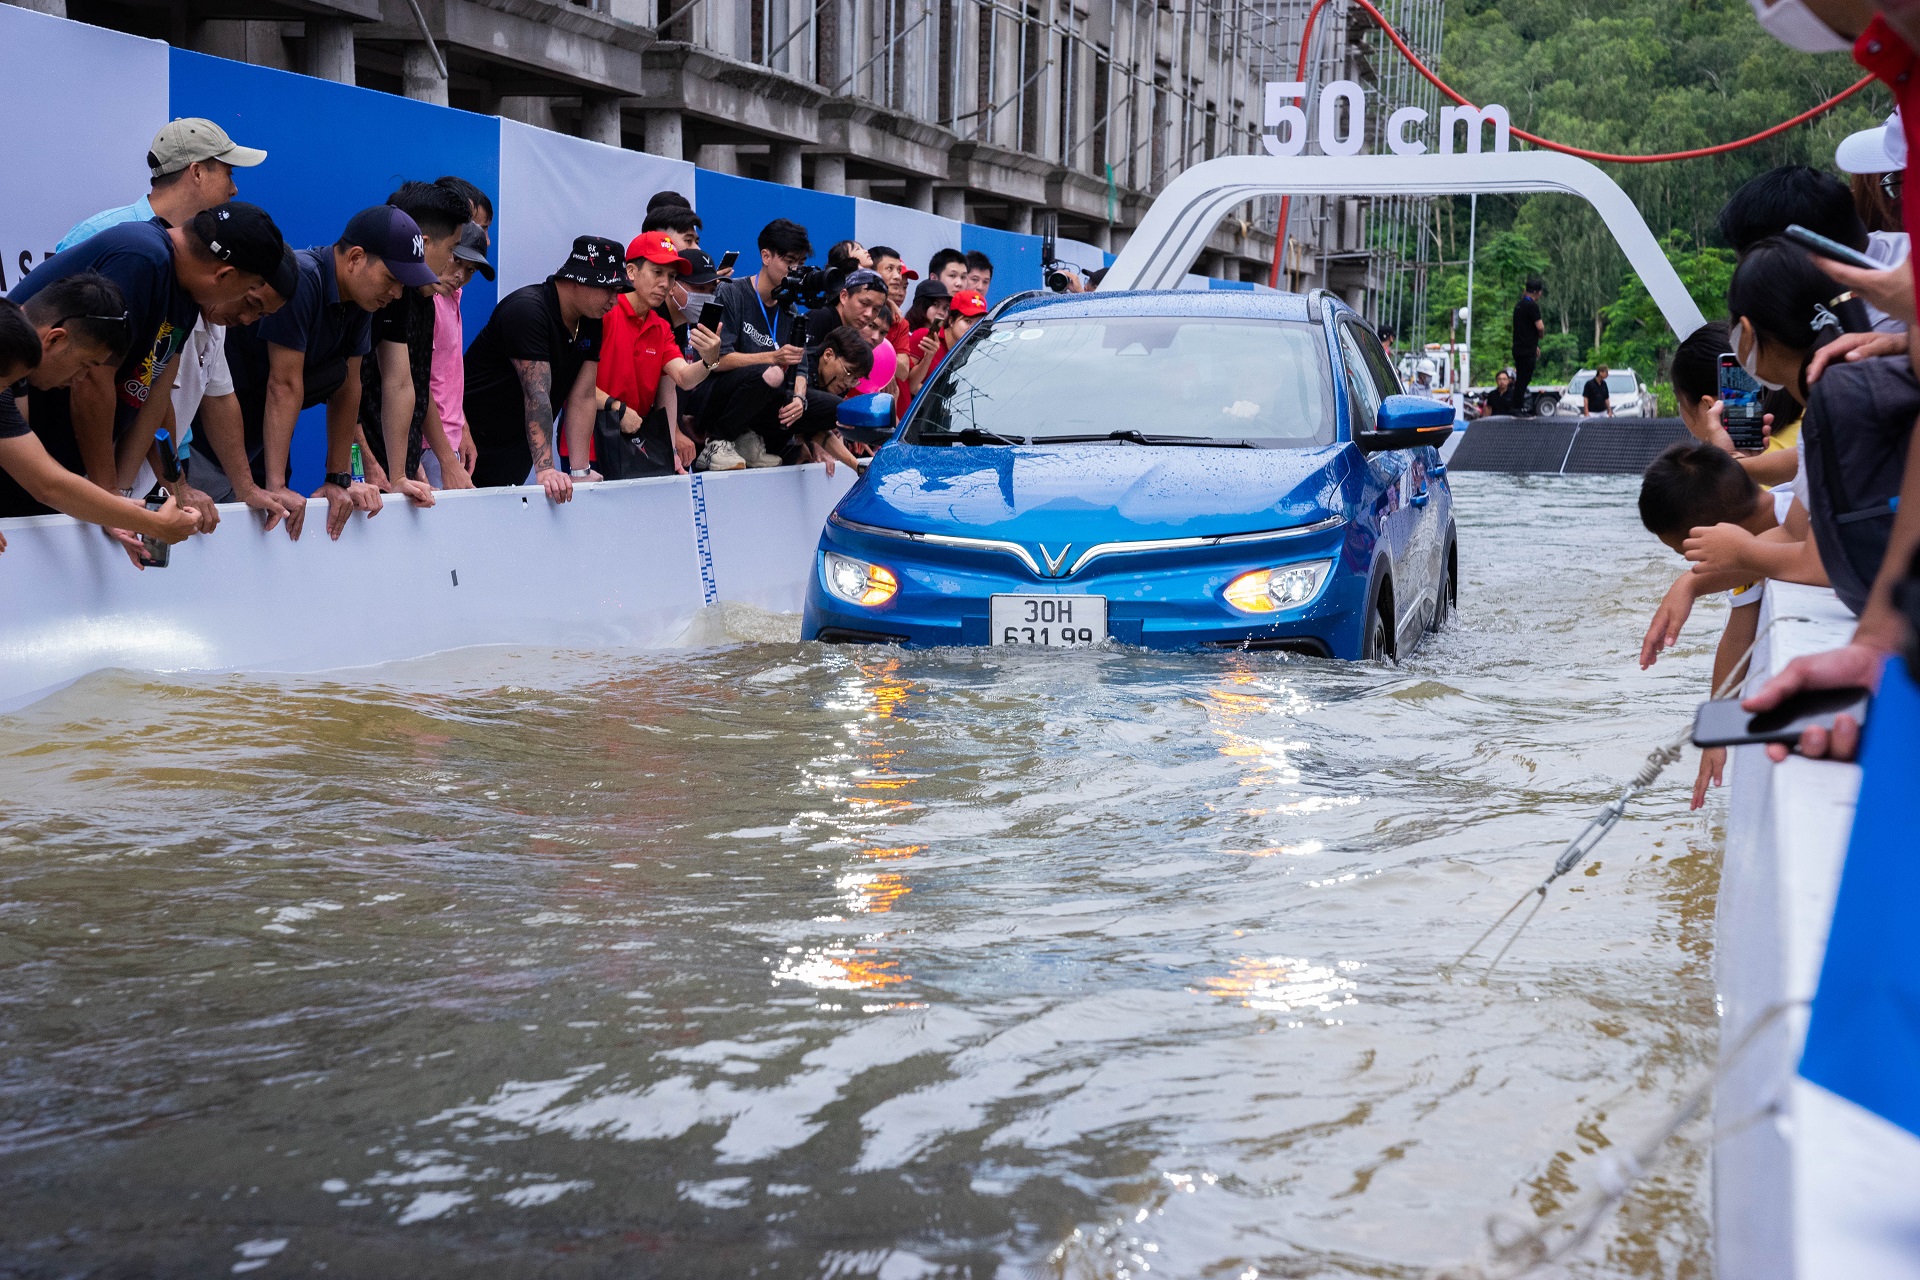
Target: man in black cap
x,y
221,262
537,358
309,353
396,397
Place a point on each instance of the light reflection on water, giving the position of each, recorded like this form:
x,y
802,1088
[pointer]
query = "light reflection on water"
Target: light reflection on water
x,y
781,959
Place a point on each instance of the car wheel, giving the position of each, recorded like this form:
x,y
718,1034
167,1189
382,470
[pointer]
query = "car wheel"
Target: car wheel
x,y
1448,594
1379,642
1546,406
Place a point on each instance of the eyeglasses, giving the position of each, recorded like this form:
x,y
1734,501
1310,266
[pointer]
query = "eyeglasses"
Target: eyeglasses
x,y
1890,184
124,318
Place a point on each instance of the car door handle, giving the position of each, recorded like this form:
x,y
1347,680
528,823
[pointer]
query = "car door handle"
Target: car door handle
x,y
1420,499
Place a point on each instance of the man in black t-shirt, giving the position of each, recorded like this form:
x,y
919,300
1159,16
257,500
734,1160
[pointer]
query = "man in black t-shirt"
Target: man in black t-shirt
x,y
751,404
396,396
543,342
1595,394
1527,328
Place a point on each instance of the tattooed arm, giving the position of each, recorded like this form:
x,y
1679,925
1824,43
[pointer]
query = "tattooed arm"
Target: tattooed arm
x,y
536,392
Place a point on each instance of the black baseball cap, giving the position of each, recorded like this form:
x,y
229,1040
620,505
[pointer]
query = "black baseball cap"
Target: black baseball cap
x,y
931,290
598,262
703,271
244,237
863,280
391,236
473,248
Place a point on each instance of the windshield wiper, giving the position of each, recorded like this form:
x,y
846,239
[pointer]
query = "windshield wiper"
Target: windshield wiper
x,y
1141,437
968,435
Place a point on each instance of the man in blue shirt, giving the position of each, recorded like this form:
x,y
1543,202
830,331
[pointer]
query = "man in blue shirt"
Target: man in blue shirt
x,y
309,353
219,263
192,163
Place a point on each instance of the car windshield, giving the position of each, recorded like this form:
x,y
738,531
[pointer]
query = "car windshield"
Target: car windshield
x,y
1621,384
1170,378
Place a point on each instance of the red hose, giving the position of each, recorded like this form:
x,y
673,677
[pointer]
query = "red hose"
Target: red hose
x,y
1386,27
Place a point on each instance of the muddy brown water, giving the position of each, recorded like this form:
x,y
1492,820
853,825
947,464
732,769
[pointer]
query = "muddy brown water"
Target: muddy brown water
x,y
783,960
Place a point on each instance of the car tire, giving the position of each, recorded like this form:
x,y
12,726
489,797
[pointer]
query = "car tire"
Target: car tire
x,y
1377,642
1448,595
1546,406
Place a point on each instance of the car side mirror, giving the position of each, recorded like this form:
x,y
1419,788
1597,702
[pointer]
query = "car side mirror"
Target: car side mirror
x,y
867,419
1407,422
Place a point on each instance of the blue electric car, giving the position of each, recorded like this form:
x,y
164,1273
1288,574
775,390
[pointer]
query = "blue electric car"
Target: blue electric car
x,y
1175,470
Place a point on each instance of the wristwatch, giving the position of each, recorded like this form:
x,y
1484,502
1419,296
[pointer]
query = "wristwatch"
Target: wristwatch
x,y
581,473
340,479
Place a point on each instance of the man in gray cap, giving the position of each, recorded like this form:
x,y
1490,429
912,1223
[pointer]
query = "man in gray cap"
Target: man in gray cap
x,y
192,163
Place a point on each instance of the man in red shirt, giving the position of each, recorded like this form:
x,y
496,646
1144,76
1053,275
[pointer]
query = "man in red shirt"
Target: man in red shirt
x,y
641,367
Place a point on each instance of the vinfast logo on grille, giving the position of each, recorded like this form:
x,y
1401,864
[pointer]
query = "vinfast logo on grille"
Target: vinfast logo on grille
x,y
1053,562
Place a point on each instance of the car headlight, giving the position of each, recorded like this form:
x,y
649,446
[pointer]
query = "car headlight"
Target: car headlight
x,y
1286,587
858,582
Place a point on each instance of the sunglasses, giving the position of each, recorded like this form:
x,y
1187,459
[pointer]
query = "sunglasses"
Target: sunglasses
x,y
1890,184
124,318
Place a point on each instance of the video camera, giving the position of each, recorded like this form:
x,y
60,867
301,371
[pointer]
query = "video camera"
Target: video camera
x,y
811,287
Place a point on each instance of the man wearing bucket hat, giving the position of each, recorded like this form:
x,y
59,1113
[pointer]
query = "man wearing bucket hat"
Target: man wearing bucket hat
x,y
536,360
309,352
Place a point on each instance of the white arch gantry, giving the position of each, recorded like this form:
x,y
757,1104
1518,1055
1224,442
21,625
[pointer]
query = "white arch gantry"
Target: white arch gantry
x,y
1176,228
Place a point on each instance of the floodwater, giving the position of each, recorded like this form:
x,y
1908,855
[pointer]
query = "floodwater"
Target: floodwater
x,y
781,960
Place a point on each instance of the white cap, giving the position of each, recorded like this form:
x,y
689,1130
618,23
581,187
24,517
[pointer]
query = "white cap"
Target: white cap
x,y
1879,150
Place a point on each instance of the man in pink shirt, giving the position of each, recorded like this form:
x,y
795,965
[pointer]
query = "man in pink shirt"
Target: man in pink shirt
x,y
452,451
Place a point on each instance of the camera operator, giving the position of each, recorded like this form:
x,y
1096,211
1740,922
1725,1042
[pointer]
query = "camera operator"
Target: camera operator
x,y
751,406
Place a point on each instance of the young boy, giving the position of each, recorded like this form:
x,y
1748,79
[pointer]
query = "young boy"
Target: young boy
x,y
1688,489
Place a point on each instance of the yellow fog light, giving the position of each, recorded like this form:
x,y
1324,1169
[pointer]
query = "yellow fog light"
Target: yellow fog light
x,y
1287,587
858,582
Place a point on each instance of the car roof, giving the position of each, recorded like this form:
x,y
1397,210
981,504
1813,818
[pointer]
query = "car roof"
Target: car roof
x,y
1236,303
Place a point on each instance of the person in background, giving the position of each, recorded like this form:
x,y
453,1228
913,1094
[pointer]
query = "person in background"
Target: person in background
x,y
963,312
1500,401
683,226
1875,160
889,266
642,369
750,406
862,294
980,273
450,462
396,400
71,326
1388,336
858,305
191,163
1598,398
848,255
664,199
843,358
949,267
1528,326
309,353
541,340
104,424
1767,205
477,200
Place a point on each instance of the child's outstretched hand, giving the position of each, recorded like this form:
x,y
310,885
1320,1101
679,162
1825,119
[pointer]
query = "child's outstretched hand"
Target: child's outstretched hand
x,y
1664,631
1720,548
1713,763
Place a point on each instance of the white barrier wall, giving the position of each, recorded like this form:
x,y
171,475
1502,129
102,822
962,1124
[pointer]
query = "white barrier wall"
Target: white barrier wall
x,y
1807,1186
622,565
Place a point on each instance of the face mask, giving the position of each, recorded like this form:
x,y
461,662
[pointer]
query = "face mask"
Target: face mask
x,y
696,300
1751,361
1795,26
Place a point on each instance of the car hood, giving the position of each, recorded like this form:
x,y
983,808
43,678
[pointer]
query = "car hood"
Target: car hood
x,y
1097,492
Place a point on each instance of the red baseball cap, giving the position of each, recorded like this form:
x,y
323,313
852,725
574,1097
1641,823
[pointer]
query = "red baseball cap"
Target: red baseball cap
x,y
909,272
968,302
657,246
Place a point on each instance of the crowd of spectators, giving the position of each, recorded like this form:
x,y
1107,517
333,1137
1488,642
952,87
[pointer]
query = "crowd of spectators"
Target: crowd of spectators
x,y
1829,494
179,339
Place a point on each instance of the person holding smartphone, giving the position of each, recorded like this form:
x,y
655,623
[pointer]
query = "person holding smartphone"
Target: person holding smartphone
x,y
641,366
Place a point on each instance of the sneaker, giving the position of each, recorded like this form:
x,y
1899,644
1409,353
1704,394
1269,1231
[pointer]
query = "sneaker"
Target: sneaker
x,y
753,450
719,455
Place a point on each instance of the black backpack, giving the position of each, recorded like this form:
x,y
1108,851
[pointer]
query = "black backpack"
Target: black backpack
x,y
1860,418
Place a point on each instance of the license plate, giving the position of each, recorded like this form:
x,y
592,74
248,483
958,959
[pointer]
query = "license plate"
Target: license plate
x,y
1056,622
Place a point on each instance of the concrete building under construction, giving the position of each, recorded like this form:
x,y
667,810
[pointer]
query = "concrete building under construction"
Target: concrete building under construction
x,y
1057,117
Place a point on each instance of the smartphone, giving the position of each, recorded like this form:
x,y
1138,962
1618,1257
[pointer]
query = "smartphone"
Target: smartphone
x,y
1830,248
727,259
159,554
1727,724
1741,412
710,316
